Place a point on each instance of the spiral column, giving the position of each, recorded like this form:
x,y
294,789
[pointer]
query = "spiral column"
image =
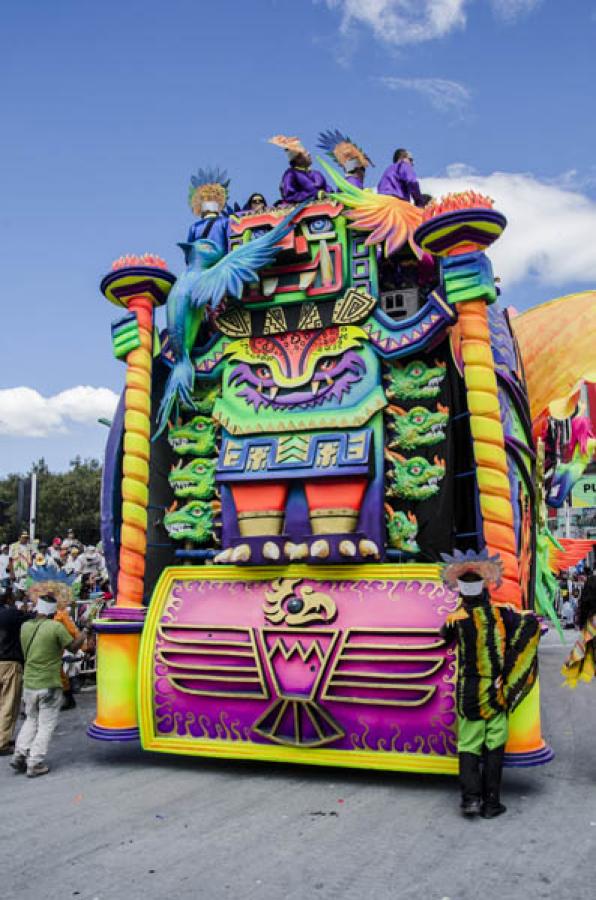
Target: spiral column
x,y
458,235
138,284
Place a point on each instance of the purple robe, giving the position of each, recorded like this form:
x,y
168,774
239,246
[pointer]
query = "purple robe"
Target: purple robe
x,y
356,180
399,180
302,184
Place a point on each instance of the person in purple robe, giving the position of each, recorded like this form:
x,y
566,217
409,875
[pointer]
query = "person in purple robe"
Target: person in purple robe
x,y
348,155
300,181
400,179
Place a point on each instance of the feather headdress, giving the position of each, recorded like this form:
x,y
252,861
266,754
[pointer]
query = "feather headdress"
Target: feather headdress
x,y
48,580
292,145
208,186
489,568
342,149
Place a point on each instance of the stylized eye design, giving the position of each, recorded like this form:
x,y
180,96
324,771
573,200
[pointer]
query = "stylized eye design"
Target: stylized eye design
x,y
263,372
295,605
418,419
197,513
259,232
416,469
200,426
320,225
200,469
326,365
416,371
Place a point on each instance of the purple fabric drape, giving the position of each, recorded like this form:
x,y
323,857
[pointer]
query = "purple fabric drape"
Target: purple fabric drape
x,y
302,184
399,180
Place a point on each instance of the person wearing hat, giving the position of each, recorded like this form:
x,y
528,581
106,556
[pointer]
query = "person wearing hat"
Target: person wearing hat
x,y
43,642
497,666
300,181
348,155
70,540
400,179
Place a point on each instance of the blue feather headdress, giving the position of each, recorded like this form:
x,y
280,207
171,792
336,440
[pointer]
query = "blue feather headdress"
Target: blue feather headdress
x,y
49,580
490,568
342,149
208,185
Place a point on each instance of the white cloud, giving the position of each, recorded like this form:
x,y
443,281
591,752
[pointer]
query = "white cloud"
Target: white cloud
x,y
550,227
511,10
443,95
401,22
24,412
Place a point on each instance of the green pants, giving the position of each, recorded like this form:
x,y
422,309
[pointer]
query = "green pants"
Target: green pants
x,y
473,735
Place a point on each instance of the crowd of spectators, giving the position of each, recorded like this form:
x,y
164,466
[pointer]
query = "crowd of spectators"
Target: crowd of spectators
x,y
85,563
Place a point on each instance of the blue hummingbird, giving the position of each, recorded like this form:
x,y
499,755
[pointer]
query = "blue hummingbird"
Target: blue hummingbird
x,y
210,275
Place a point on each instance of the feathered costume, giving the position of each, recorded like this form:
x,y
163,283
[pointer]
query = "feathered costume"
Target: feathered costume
x,y
496,643
350,157
497,667
210,275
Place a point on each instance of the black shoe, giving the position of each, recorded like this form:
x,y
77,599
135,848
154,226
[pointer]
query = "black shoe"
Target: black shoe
x,y
491,784
68,701
470,806
7,751
490,810
37,770
471,783
18,763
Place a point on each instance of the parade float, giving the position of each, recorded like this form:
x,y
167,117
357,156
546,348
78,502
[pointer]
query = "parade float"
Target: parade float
x,y
338,399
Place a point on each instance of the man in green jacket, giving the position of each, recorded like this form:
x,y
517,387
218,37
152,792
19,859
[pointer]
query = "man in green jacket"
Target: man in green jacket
x,y
43,642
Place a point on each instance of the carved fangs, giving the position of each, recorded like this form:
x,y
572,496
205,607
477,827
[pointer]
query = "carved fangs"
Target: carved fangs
x,y
320,549
241,553
271,550
307,279
368,548
269,286
347,548
224,556
295,551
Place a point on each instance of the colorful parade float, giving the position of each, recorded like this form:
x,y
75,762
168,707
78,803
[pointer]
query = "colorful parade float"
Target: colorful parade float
x,y
337,400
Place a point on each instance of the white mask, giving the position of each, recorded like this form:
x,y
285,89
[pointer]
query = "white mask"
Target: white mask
x,y
45,607
351,165
470,588
210,206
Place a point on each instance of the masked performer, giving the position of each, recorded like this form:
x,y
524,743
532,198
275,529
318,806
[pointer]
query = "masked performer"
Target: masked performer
x,y
349,156
300,181
207,196
581,663
497,649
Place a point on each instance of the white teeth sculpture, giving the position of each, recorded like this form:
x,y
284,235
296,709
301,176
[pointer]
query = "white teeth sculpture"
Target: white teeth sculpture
x,y
271,550
224,556
347,548
241,553
368,548
295,551
320,549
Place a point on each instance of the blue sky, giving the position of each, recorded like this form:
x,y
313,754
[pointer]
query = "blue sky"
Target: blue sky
x,y
108,108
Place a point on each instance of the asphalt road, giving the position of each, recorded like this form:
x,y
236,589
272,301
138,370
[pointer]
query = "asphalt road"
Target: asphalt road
x,y
110,822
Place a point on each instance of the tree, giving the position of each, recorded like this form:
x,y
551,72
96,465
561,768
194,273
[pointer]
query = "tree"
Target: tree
x,y
65,500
